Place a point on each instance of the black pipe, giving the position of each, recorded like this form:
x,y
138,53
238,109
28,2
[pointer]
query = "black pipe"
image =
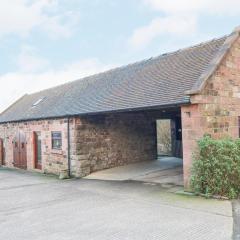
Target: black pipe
x,y
69,145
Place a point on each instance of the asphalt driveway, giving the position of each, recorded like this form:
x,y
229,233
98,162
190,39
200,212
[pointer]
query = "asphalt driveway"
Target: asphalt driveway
x,y
33,206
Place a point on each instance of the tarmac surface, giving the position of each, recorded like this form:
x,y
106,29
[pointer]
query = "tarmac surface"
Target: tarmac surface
x,y
39,207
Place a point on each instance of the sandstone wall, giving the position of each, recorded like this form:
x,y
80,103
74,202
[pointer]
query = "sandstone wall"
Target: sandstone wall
x,y
96,142
216,110
113,140
53,161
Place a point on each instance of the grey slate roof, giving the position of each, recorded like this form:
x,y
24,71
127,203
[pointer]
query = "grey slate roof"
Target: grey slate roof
x,y
151,83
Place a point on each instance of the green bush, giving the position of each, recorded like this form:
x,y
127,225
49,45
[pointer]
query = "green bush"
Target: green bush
x,y
216,167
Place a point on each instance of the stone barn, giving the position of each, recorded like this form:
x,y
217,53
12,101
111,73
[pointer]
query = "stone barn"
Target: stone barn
x,y
109,119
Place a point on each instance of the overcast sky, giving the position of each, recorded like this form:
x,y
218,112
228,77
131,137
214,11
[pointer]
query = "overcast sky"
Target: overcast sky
x,y
48,42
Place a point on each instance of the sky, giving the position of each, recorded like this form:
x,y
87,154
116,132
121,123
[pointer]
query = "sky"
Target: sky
x,y
44,43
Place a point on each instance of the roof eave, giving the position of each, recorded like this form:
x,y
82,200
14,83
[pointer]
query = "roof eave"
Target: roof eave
x,y
202,81
148,108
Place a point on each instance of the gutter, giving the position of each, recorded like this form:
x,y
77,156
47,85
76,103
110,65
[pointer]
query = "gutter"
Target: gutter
x,y
186,101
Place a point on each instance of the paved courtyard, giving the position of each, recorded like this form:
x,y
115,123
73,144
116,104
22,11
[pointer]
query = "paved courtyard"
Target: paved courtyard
x,y
164,170
33,206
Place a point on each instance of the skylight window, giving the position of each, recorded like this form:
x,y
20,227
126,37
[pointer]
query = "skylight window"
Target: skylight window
x,y
38,102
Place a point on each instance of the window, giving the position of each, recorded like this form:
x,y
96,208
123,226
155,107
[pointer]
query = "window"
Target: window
x,y
38,102
56,140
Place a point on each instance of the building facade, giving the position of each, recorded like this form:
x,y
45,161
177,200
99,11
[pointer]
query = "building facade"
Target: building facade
x,y
109,119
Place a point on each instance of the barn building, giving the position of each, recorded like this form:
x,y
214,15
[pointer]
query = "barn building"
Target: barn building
x,y
109,119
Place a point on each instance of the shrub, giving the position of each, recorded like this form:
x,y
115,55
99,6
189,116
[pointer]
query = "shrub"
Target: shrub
x,y
216,167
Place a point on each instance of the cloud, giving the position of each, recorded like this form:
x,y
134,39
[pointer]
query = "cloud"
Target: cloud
x,y
61,25
18,83
179,17
172,25
175,6
27,61
223,7
20,17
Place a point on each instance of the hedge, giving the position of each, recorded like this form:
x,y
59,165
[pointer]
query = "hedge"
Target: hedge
x,y
216,167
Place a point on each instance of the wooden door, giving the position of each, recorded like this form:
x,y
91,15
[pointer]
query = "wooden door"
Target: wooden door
x,y
37,143
1,152
20,151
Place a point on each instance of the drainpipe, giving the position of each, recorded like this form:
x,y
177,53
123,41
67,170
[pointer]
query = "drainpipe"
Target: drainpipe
x,y
69,145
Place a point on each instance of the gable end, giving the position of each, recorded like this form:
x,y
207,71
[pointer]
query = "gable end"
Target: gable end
x,y
202,81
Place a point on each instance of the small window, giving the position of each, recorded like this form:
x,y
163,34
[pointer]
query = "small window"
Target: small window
x,y
56,140
38,102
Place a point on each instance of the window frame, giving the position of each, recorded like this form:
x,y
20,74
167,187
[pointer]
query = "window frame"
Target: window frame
x,y
54,138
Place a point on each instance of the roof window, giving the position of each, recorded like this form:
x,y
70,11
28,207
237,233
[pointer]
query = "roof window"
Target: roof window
x,y
38,102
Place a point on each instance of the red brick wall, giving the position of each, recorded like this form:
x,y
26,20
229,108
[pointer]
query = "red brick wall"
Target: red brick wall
x,y
53,161
97,142
215,110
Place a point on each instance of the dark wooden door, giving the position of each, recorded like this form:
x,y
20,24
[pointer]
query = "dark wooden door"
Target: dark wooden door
x,y
1,152
20,151
37,143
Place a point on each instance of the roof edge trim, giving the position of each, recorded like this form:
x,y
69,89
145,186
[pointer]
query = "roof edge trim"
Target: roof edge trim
x,y
128,110
202,81
18,100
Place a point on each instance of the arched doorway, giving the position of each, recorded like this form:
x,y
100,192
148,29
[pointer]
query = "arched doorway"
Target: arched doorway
x,y
20,150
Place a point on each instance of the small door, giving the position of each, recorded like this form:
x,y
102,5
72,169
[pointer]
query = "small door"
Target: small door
x,y
2,162
20,150
37,150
